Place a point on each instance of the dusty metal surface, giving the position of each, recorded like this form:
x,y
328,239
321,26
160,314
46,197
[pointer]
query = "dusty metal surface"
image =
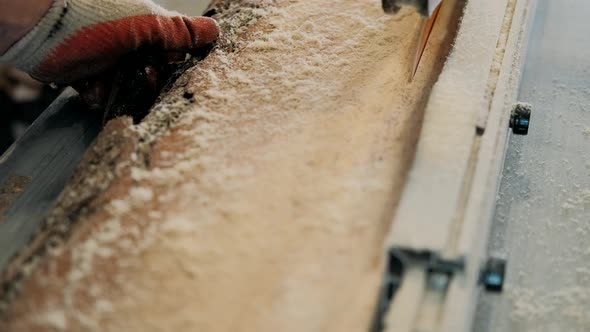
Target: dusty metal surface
x,y
34,171
542,218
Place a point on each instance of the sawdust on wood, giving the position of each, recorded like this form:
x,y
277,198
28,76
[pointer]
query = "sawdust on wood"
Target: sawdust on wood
x,y
254,197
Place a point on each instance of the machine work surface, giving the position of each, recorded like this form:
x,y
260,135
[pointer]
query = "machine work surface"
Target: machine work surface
x,y
542,218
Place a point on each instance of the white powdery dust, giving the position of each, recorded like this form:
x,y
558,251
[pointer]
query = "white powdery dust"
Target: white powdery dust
x,y
55,319
317,60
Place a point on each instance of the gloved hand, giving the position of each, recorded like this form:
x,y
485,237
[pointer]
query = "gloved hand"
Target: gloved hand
x,y
79,39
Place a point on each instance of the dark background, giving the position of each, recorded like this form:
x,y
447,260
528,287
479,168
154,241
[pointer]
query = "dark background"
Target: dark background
x,y
15,116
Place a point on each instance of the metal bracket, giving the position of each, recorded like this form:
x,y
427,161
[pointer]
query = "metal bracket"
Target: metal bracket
x,y
394,6
520,118
439,272
431,262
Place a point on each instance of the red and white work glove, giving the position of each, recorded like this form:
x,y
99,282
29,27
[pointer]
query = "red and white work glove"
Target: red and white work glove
x,y
79,39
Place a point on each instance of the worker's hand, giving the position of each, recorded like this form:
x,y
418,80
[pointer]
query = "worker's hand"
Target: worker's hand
x,y
77,40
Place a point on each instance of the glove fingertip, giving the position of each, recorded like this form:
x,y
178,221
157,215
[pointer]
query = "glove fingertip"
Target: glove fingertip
x,y
204,30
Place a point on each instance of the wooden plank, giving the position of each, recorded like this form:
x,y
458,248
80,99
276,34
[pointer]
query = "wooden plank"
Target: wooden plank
x,y
256,196
478,217
433,190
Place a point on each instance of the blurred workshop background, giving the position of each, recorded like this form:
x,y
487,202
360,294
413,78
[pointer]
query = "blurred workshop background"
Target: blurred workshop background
x,y
22,99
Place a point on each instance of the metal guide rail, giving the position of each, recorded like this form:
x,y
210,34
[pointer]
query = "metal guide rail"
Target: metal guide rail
x,y
431,282
34,171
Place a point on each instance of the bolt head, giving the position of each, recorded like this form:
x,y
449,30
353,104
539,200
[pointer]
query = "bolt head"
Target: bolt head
x,y
520,118
493,275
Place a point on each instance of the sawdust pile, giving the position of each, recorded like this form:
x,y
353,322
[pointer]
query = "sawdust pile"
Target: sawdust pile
x,y
258,191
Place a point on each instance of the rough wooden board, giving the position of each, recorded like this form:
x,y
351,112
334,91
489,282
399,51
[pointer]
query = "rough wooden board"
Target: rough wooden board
x,y
255,197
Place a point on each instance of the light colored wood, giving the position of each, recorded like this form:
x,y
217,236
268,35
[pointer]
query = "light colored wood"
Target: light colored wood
x,y
257,195
456,171
448,133
479,208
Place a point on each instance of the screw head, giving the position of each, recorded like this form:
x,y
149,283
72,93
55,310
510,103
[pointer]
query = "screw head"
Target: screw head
x,y
439,281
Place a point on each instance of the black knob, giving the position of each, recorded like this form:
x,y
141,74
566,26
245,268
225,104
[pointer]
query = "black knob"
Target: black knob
x,y
492,276
520,118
